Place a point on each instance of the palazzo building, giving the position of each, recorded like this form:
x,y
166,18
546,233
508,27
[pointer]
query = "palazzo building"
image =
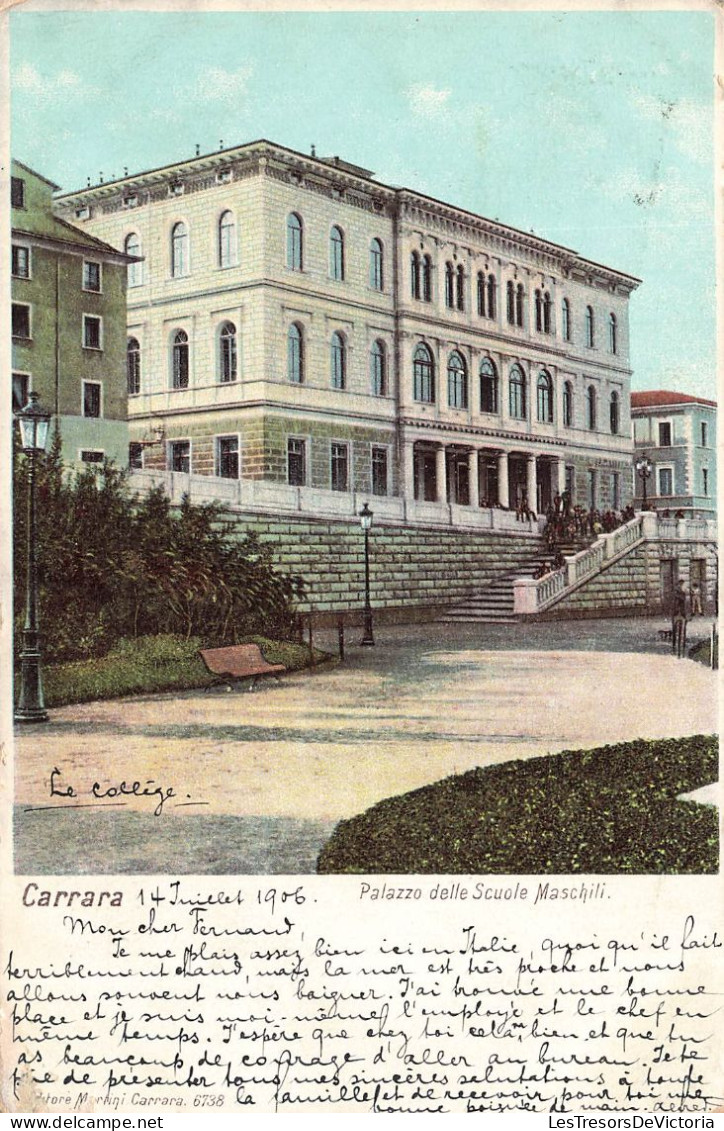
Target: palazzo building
x,y
68,324
676,433
294,321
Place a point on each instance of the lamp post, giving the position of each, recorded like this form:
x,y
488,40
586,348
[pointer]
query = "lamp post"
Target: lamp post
x,y
644,468
365,517
33,421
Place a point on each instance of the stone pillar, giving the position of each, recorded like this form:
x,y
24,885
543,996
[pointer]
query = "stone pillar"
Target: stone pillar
x,y
503,488
560,476
474,478
441,474
408,470
532,484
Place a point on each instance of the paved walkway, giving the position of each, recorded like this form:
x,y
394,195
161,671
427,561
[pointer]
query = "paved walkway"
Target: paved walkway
x,y
258,781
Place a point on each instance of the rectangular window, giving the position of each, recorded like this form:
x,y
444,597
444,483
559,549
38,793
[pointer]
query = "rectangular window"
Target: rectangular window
x,y
227,457
21,388
296,463
379,471
135,457
91,456
17,192
21,320
592,489
21,261
179,455
704,434
615,490
664,434
705,482
666,480
339,458
92,398
92,332
91,276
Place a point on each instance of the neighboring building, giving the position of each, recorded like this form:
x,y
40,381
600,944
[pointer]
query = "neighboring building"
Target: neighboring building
x,y
677,433
68,324
294,321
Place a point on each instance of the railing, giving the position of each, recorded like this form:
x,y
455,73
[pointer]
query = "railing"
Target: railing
x,y
533,595
262,497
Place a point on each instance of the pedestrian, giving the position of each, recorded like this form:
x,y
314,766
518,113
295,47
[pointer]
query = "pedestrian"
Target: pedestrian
x,y
696,608
678,619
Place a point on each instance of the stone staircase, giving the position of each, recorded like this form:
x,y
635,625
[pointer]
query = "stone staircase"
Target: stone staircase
x,y
494,603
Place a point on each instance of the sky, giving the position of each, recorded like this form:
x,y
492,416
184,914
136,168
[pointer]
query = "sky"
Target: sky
x,y
592,128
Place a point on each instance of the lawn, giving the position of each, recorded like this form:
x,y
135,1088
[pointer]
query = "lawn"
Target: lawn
x,y
603,811
152,664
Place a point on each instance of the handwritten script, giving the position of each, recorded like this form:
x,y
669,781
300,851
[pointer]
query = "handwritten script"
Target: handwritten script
x,y
165,995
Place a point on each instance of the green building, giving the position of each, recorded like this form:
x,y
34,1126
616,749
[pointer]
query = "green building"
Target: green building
x,y
68,324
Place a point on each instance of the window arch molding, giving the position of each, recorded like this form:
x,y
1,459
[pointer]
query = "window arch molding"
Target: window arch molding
x,y
228,352
295,353
378,368
489,386
544,397
457,381
612,333
336,253
132,246
133,366
338,360
377,264
423,374
295,242
590,327
180,249
227,251
517,398
180,359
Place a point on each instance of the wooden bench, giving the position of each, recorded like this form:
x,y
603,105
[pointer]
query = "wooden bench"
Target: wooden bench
x,y
238,662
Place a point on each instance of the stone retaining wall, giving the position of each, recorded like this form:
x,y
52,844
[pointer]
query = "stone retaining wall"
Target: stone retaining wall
x,y
409,567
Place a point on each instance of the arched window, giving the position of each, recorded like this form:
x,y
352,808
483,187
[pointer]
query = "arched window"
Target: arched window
x,y
295,242
568,404
591,407
427,278
481,295
510,291
519,304
488,386
545,397
423,372
227,352
449,285
227,239
377,275
615,413
179,250
132,246
492,304
415,275
338,361
538,311
133,366
457,381
516,393
566,320
612,333
378,369
295,354
336,254
460,287
547,313
180,360
590,330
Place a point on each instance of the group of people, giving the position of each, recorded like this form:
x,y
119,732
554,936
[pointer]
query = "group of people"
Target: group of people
x,y
566,522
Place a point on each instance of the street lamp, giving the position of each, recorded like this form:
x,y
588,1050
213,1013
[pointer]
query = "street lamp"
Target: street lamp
x,y
34,422
365,517
644,467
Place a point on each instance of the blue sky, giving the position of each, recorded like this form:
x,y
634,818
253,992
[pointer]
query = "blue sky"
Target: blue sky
x,y
594,129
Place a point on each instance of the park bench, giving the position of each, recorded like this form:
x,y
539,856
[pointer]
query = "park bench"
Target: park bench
x,y
238,662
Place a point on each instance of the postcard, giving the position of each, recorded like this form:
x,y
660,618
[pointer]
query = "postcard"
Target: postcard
x,y
360,568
